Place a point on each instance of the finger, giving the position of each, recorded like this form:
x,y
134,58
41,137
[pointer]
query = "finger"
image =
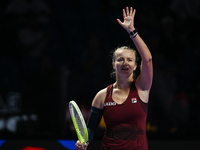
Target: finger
x,y
119,21
127,11
78,142
131,11
134,11
124,13
78,145
85,145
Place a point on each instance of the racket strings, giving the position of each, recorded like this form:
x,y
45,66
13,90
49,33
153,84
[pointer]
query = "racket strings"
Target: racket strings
x,y
79,122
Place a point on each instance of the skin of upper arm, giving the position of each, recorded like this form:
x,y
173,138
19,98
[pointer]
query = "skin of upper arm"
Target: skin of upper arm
x,y
146,76
144,81
99,98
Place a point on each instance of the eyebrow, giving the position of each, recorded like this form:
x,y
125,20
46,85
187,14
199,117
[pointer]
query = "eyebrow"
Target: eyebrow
x,y
127,57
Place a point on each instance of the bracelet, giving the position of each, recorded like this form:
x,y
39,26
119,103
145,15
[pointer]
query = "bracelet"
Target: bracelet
x,y
133,33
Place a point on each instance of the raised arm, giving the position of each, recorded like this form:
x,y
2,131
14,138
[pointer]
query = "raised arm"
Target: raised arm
x,y
144,80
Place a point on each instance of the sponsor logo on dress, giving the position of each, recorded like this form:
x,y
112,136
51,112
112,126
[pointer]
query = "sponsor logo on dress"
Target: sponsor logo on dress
x,y
110,104
134,100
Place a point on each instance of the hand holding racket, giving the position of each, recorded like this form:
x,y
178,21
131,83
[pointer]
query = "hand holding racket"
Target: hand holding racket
x,y
80,146
79,125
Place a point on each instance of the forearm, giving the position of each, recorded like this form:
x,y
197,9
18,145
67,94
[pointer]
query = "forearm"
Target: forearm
x,y
93,121
146,68
142,48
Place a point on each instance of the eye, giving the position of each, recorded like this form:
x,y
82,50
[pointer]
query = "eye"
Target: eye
x,y
130,59
120,59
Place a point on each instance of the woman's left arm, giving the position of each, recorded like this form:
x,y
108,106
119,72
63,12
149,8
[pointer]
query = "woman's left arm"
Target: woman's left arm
x,y
145,78
146,69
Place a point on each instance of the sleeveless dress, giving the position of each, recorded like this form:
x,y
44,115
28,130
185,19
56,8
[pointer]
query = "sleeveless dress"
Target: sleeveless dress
x,y
125,123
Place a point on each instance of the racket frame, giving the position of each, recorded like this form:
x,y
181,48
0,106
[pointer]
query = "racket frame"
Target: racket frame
x,y
80,137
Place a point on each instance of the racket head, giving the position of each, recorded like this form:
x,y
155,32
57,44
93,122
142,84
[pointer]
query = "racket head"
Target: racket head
x,y
79,122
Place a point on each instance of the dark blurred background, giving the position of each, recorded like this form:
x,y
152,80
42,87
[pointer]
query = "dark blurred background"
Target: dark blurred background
x,y
53,51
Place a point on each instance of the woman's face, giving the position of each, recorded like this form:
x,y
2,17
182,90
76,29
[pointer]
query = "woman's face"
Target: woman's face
x,y
125,61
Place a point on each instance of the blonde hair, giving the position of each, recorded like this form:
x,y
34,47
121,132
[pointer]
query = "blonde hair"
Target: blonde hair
x,y
113,73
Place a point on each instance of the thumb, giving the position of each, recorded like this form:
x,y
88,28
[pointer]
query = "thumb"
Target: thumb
x,y
119,21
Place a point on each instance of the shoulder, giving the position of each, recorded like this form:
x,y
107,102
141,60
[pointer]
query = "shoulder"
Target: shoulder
x,y
99,98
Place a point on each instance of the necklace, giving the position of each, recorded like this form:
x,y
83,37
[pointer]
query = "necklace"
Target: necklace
x,y
122,90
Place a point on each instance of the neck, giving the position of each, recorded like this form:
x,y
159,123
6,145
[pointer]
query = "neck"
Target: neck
x,y
123,83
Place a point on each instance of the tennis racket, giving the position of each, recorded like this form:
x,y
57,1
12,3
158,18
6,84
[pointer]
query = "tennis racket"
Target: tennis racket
x,y
79,122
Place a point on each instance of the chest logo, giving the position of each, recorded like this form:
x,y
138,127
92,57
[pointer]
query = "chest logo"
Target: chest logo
x,y
134,100
110,104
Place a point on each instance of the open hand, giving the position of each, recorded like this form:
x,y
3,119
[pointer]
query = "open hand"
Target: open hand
x,y
128,23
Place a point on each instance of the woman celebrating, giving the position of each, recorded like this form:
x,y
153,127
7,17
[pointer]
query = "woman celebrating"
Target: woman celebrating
x,y
124,103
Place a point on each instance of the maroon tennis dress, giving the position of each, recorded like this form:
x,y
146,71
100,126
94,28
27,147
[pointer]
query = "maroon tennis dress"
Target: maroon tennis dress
x,y
125,123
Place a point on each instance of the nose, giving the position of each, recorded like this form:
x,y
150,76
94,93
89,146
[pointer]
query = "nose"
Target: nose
x,y
125,62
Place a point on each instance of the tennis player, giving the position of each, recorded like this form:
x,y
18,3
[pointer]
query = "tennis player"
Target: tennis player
x,y
124,103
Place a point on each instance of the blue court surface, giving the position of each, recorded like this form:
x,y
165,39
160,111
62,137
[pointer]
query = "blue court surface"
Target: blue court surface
x,y
94,145
2,142
37,144
69,144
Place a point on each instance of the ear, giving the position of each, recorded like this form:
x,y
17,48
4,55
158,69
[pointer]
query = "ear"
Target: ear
x,y
135,67
113,64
